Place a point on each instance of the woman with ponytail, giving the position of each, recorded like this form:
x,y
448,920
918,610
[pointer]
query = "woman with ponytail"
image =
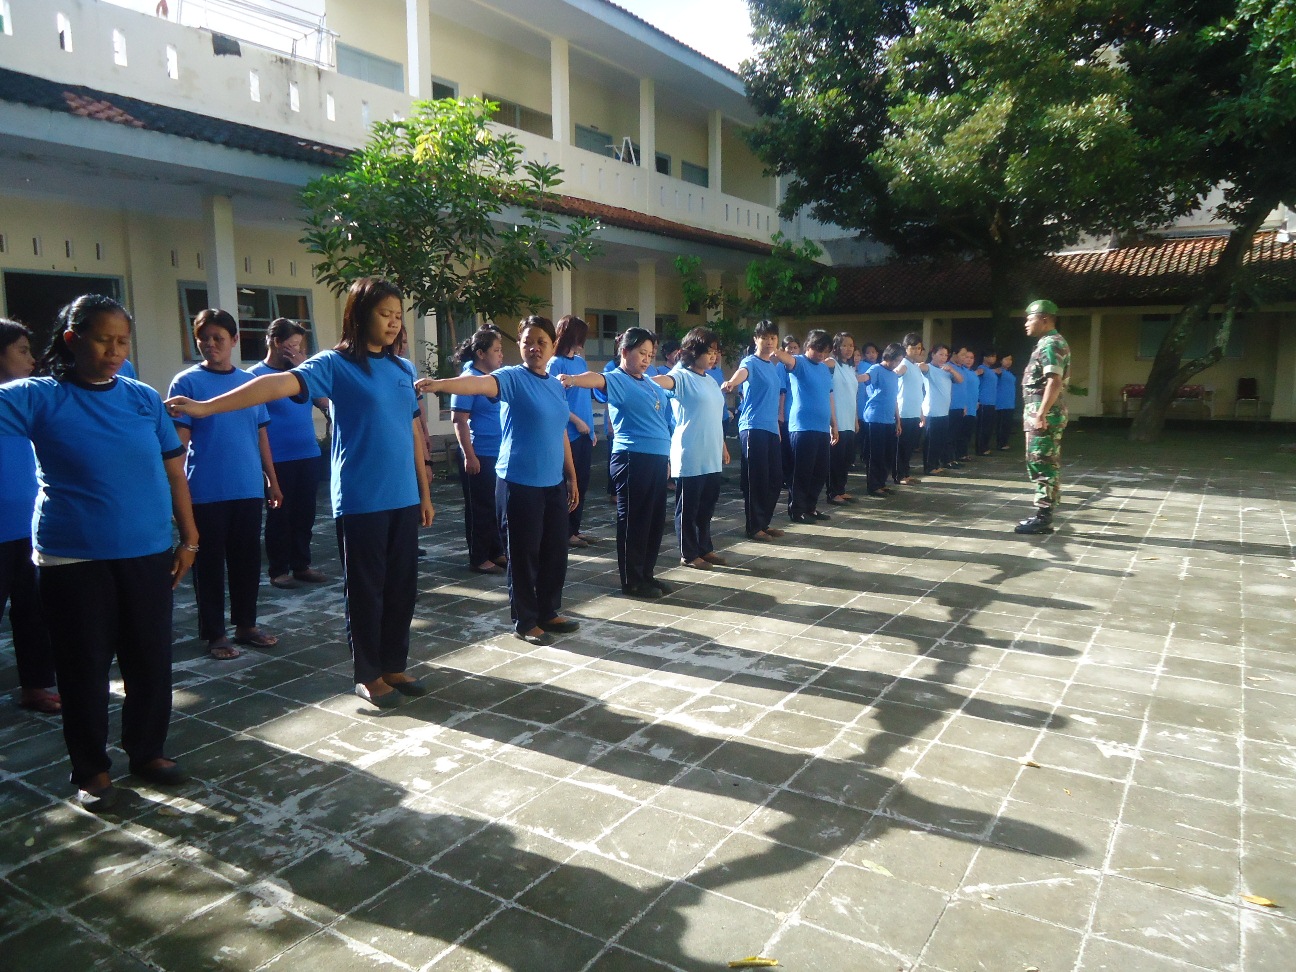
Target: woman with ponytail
x,y
477,429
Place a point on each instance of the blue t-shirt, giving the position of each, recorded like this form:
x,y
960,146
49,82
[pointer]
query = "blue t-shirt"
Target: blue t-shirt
x,y
641,414
533,419
483,416
127,370
882,391
785,386
912,384
292,423
580,402
971,388
760,394
716,374
18,488
989,390
697,444
224,458
372,460
104,493
1006,397
939,389
811,409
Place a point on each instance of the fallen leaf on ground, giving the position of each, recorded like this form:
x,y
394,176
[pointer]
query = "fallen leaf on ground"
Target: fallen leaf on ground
x,y
1066,791
753,962
1256,899
1029,762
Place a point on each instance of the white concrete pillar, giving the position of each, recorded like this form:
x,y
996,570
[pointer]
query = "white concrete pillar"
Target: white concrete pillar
x,y
648,294
715,150
151,300
1284,393
1095,364
418,43
648,130
222,279
560,282
928,328
560,90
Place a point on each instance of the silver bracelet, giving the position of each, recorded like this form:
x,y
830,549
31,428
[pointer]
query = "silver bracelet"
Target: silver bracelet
x,y
191,547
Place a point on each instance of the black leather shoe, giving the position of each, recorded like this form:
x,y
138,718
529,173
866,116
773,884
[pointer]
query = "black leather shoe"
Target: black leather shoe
x,y
565,626
821,516
660,585
648,592
99,801
801,518
1041,522
413,688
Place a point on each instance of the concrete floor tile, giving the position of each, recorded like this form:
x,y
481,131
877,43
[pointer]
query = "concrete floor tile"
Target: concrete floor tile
x,y
516,939
1057,892
1102,955
1178,775
694,929
1185,927
1268,940
968,768
808,823
761,872
886,912
1215,823
972,936
242,932
151,902
57,943
709,795
597,895
1079,838
418,918
1171,861
661,841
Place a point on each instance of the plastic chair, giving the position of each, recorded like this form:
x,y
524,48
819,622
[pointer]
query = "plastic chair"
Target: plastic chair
x,y
1248,393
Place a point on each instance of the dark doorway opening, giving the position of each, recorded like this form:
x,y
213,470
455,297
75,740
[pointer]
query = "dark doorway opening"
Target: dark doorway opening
x,y
36,298
974,333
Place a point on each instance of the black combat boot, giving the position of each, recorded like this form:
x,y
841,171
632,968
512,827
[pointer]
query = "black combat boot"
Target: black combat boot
x,y
1041,522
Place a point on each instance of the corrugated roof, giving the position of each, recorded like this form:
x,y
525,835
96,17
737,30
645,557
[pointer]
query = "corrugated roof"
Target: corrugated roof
x,y
1158,271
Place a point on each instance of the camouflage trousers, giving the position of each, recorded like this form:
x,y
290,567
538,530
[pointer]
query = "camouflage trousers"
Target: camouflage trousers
x,y
1043,462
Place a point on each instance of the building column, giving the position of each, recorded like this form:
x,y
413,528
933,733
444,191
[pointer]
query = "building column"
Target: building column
x,y
1095,364
715,146
560,90
560,282
648,294
648,130
222,280
152,302
418,42
928,329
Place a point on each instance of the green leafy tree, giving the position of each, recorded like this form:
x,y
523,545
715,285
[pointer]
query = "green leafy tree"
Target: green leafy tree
x,y
788,283
997,129
1215,80
444,207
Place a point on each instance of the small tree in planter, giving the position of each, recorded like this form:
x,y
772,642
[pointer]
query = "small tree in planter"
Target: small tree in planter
x,y
445,207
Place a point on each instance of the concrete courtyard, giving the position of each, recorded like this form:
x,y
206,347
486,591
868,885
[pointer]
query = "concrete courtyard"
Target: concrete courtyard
x,y
905,740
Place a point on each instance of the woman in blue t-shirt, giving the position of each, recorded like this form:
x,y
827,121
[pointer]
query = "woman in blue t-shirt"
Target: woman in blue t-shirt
x,y
477,428
760,377
698,452
112,477
231,473
18,489
296,454
641,428
379,479
536,487
812,424
1006,404
569,359
882,416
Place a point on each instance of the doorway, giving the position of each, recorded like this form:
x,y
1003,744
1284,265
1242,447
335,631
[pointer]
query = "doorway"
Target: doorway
x,y
35,299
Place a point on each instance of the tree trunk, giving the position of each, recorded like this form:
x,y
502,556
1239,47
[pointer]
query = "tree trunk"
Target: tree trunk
x,y
1005,301
1169,370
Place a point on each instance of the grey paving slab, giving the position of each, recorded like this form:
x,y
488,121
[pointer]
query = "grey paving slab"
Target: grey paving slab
x,y
909,740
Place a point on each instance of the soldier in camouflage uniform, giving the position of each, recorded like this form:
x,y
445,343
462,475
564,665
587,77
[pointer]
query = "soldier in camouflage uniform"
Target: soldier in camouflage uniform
x,y
1044,381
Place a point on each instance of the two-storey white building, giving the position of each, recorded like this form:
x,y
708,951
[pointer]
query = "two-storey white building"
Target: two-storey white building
x,y
157,155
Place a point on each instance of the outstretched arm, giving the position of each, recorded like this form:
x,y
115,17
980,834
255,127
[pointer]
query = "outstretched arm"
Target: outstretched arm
x,y
258,391
788,361
463,385
666,381
589,379
735,381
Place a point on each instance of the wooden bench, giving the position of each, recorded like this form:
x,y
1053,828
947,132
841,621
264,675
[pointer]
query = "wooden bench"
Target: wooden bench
x,y
1192,395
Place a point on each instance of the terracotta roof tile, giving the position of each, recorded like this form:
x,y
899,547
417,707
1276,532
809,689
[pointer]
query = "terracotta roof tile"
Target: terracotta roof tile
x,y
1158,271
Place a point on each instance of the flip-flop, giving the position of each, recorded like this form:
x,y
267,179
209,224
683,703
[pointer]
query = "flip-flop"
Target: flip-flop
x,y
224,652
257,640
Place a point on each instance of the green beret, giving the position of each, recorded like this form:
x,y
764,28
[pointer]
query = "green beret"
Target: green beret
x,y
1042,307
